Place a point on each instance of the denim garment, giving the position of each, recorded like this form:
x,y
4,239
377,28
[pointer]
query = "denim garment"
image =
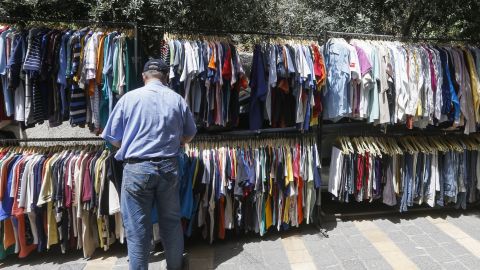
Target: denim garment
x,y
144,183
419,176
446,84
471,185
450,171
8,95
186,189
408,179
463,180
451,82
336,102
14,63
427,174
440,197
62,73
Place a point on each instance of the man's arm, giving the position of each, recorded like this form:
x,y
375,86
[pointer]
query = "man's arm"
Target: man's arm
x,y
117,144
114,128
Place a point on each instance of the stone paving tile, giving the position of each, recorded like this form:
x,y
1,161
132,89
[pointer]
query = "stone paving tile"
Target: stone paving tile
x,y
358,242
411,230
398,237
334,267
72,266
440,254
350,232
227,266
441,238
423,240
368,253
375,264
275,256
120,267
353,264
426,263
344,253
410,249
470,261
454,265
470,227
253,266
455,249
271,244
312,237
387,225
327,259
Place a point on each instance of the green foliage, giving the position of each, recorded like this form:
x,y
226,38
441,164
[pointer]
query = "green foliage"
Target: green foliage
x,y
419,18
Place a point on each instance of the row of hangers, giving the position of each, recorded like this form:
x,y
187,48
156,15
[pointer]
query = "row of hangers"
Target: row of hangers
x,y
193,36
42,149
408,42
408,144
374,145
250,143
256,39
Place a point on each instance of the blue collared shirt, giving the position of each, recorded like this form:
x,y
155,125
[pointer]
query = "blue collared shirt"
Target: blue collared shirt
x,y
149,122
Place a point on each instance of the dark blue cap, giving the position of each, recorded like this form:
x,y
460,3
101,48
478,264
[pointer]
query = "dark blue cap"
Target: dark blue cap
x,y
156,64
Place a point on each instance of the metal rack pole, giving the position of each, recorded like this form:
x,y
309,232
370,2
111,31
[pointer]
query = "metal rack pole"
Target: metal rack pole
x,y
227,32
85,22
328,33
135,47
67,139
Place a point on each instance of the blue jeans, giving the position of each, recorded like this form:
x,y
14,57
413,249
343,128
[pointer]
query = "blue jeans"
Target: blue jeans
x,y
144,184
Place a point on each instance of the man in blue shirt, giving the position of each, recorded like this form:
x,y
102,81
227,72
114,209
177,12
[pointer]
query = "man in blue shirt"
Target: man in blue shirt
x,y
149,125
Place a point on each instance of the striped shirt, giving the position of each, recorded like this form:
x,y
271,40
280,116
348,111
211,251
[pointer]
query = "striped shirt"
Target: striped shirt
x,y
78,106
33,58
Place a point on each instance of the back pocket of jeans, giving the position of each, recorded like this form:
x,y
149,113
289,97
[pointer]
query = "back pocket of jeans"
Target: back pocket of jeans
x,y
134,182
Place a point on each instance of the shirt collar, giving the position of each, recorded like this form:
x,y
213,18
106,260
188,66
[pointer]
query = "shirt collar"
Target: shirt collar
x,y
155,82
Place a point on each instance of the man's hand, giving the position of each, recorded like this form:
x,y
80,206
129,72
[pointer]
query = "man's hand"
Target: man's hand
x,y
186,139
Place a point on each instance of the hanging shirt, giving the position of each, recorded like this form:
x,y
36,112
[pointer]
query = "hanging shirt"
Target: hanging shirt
x,y
259,86
337,62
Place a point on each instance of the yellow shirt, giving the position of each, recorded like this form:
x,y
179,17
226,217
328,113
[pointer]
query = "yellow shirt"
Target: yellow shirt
x,y
289,179
474,83
268,213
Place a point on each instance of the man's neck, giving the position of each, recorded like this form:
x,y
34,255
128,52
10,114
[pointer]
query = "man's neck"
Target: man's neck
x,y
153,81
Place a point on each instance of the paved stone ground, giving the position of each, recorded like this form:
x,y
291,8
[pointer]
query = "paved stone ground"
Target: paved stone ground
x,y
402,241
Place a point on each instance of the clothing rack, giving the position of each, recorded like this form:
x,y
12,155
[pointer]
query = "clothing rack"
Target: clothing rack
x,y
365,129
132,25
347,128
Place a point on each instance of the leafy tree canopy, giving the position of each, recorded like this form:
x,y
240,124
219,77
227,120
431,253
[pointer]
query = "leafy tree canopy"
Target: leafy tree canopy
x,y
419,18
